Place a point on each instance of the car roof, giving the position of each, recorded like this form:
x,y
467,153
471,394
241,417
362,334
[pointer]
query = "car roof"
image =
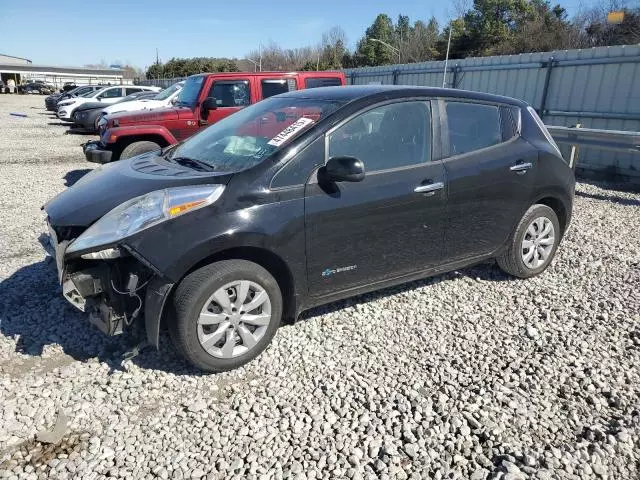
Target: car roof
x,y
352,93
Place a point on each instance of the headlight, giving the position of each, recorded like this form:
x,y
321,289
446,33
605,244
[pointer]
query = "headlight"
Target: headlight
x,y
145,211
81,115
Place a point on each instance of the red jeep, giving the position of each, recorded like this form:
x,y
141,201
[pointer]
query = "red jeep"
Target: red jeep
x,y
204,99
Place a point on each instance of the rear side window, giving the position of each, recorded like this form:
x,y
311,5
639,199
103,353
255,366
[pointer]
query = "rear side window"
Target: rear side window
x,y
111,93
509,119
133,90
273,87
472,126
322,82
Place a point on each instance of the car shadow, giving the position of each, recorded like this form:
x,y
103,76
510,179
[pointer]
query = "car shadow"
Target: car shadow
x,y
72,176
486,271
60,124
35,314
633,202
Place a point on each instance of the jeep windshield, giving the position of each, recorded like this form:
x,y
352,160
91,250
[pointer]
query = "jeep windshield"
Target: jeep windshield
x,y
248,137
167,92
188,96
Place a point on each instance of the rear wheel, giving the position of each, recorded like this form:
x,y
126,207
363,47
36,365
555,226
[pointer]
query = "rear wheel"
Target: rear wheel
x,y
225,314
138,148
533,244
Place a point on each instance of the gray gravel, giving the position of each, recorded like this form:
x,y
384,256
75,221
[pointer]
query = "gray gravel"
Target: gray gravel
x,y
467,375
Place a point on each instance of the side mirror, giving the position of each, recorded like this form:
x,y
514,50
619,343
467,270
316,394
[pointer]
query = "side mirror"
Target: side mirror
x,y
343,169
210,103
174,100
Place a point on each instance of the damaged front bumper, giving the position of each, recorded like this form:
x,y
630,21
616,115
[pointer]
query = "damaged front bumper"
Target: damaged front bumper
x,y
117,291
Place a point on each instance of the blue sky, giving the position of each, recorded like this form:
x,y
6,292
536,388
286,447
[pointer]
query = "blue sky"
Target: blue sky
x,y
75,33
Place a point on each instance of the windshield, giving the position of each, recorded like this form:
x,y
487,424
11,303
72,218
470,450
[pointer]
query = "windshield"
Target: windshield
x,y
249,136
188,96
167,92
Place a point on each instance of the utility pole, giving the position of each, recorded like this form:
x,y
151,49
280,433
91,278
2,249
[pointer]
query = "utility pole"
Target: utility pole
x,y
446,59
260,55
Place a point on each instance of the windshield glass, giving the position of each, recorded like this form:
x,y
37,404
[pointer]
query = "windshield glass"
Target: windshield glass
x,y
249,136
167,92
189,93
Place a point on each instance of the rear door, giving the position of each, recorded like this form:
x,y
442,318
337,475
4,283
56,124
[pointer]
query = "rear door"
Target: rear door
x,y
488,167
231,94
392,222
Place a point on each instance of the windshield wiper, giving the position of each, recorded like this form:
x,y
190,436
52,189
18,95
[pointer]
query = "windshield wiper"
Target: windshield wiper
x,y
193,163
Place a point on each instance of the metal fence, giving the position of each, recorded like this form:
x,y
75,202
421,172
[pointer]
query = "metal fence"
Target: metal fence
x,y
598,88
160,82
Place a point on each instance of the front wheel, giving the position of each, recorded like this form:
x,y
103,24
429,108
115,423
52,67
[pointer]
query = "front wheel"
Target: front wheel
x,y
138,148
533,243
225,314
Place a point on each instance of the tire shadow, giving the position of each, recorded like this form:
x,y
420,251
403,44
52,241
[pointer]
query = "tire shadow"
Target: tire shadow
x,y
72,176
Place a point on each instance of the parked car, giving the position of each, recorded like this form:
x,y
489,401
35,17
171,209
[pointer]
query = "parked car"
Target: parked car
x,y
2,86
303,199
165,98
68,86
204,99
86,116
37,87
51,102
106,95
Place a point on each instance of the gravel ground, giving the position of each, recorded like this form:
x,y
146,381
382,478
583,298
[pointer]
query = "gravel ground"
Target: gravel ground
x,y
466,375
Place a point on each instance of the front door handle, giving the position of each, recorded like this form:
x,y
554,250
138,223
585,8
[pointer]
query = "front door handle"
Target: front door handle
x,y
521,167
429,188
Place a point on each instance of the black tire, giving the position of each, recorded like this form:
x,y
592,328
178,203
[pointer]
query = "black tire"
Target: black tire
x,y
190,297
138,148
511,261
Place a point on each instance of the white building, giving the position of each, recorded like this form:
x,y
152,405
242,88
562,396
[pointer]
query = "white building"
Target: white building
x,y
21,70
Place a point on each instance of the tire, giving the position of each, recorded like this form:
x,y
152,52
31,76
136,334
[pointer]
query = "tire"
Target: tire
x,y
194,297
138,148
512,260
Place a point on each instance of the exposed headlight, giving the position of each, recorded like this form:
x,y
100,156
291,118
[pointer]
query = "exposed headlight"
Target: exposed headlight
x,y
145,211
81,115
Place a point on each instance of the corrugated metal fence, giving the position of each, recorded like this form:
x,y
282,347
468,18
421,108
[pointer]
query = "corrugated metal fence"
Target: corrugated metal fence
x,y
598,87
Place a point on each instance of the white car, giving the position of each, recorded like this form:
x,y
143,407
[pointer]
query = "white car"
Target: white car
x,y
107,95
162,99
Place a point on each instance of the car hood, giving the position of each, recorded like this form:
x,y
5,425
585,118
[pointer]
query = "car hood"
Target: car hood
x,y
106,187
134,105
152,116
89,106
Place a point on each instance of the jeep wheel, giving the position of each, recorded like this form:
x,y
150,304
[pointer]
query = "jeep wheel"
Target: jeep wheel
x,y
138,148
225,314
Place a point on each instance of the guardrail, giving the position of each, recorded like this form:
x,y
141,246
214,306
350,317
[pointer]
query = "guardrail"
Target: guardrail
x,y
612,140
617,140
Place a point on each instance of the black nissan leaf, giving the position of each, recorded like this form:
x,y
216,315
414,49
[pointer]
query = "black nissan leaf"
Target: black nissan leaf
x,y
302,199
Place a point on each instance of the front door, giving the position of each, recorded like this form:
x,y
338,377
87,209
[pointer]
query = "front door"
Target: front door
x,y
490,172
392,222
231,95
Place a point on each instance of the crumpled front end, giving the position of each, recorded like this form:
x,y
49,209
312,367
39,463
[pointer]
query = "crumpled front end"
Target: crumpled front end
x,y
110,285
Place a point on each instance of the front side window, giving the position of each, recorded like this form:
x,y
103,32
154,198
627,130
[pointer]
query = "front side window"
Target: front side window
x,y
472,126
322,82
386,137
111,93
231,93
251,135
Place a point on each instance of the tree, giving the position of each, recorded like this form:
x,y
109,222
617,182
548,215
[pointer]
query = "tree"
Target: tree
x,y
370,52
183,67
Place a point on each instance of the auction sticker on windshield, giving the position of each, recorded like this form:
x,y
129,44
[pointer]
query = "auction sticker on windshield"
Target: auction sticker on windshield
x,y
290,131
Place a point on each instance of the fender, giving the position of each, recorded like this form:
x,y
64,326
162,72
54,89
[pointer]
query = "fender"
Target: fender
x,y
115,134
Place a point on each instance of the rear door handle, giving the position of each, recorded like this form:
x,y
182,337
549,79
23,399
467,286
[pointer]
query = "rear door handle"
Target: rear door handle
x,y
521,167
429,188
